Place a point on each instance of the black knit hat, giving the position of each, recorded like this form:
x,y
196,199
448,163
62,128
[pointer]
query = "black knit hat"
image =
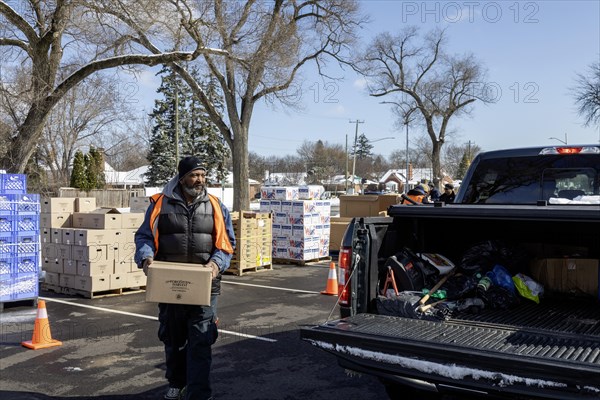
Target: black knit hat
x,y
189,164
449,186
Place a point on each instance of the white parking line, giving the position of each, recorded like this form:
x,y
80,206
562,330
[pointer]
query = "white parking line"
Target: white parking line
x,y
271,287
72,303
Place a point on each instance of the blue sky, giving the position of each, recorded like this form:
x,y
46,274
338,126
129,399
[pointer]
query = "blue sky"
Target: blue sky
x,y
532,50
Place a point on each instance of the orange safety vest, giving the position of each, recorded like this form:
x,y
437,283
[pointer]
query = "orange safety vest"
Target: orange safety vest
x,y
220,232
417,198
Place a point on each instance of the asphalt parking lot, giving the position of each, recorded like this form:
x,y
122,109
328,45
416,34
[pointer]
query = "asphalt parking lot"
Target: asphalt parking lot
x,y
110,349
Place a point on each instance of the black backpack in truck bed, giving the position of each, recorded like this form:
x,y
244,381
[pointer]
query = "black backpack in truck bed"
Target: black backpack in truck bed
x,y
410,272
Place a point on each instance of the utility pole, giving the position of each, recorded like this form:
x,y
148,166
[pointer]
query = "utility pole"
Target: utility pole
x,y
355,143
346,180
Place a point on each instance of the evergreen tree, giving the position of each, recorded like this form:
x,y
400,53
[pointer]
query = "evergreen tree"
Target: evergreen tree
x,y
363,147
96,166
90,174
78,174
463,166
202,137
197,134
163,142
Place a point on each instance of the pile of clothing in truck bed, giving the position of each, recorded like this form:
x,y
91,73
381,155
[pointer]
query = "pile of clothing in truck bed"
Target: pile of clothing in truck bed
x,y
434,288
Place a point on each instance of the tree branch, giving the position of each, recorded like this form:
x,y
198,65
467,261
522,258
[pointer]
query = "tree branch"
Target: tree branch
x,y
14,18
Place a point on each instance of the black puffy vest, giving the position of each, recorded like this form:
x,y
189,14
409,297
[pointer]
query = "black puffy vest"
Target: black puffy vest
x,y
185,234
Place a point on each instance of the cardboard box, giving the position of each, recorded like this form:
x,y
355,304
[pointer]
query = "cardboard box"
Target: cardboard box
x,y
139,204
68,236
178,283
94,253
90,284
132,220
70,267
49,251
567,275
118,281
101,218
45,235
52,278
87,237
52,265
56,235
366,205
136,279
56,220
95,268
85,204
57,205
337,228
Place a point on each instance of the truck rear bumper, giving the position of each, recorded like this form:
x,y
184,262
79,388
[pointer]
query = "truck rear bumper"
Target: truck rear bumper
x,y
486,358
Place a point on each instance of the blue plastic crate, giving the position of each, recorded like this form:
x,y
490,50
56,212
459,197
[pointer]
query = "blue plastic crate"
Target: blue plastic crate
x,y
26,203
8,247
5,288
7,223
6,202
27,244
26,264
29,224
6,270
24,286
13,183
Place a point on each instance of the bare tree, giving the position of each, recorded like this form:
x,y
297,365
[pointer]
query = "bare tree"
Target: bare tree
x,y
37,39
423,77
453,155
265,44
587,95
84,114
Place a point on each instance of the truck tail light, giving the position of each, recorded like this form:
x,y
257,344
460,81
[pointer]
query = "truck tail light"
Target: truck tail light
x,y
571,150
345,266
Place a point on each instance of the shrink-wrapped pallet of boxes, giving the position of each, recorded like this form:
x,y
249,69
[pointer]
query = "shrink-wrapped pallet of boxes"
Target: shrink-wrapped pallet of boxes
x,y
19,240
253,234
89,251
301,229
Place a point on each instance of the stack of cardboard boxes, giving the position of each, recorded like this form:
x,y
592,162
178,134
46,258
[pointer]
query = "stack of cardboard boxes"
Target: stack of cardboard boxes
x,y
86,248
254,237
301,226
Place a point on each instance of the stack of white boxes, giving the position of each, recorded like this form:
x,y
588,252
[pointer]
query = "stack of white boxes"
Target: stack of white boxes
x,y
88,248
301,226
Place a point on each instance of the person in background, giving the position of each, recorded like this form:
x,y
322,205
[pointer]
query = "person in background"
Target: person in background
x,y
417,195
434,194
185,224
448,195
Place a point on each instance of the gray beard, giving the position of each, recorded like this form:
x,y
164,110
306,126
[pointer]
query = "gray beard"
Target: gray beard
x,y
193,192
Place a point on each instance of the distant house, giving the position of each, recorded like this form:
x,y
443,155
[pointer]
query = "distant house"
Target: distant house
x,y
397,177
124,179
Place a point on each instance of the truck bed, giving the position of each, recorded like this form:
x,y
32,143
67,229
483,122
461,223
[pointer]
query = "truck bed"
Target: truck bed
x,y
542,345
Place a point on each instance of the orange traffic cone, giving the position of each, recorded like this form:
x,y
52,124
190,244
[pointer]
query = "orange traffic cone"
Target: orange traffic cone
x,y
42,337
332,282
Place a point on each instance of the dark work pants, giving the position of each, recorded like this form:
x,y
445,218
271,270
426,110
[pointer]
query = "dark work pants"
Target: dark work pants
x,y
188,333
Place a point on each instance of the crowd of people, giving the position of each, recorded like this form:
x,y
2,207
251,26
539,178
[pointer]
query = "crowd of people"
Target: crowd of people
x,y
424,193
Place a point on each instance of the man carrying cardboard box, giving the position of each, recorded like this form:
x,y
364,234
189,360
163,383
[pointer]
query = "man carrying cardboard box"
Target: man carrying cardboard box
x,y
184,224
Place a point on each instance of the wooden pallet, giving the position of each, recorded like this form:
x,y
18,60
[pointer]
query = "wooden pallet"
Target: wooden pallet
x,y
234,270
301,262
93,295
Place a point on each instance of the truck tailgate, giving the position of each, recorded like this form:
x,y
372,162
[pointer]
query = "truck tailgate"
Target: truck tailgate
x,y
555,358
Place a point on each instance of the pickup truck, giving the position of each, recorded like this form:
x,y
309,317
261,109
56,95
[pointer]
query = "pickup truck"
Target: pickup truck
x,y
535,211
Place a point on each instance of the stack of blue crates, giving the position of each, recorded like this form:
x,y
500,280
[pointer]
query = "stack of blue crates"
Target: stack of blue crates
x,y
19,239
